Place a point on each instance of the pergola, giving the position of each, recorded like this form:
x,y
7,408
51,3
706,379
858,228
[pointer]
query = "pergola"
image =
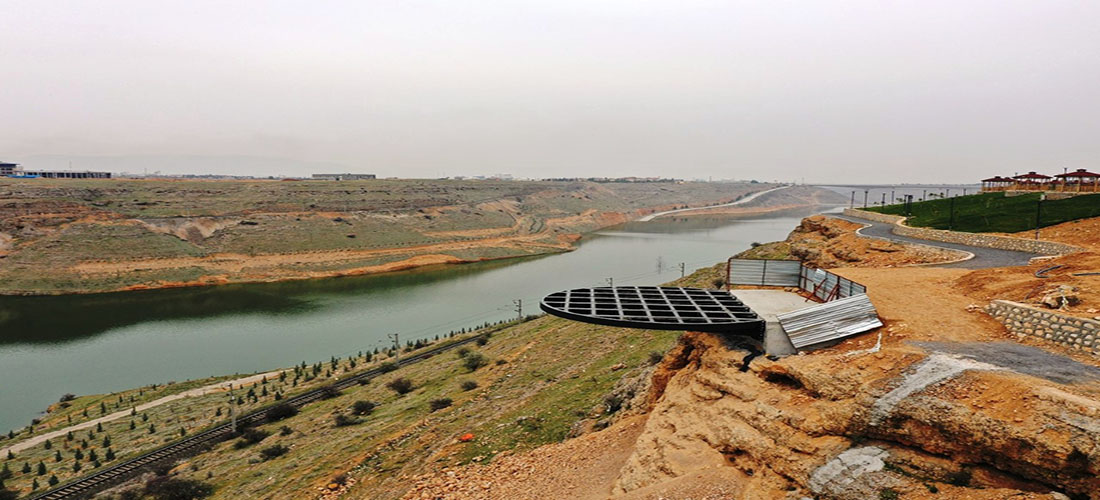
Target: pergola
x,y
997,183
1031,181
1079,180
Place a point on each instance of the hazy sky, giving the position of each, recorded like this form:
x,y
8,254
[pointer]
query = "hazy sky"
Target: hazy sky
x,y
881,91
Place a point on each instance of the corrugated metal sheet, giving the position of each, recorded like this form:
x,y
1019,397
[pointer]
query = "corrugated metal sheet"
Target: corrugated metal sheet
x,y
764,272
830,321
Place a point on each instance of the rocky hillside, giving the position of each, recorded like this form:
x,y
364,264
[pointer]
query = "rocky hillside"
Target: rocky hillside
x,y
827,242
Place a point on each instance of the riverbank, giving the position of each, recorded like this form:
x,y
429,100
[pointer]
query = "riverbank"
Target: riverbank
x,y
72,248
86,236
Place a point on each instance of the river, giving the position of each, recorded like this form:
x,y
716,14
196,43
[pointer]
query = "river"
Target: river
x,y
87,344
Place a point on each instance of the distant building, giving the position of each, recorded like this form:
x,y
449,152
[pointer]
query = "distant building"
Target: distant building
x,y
343,177
14,170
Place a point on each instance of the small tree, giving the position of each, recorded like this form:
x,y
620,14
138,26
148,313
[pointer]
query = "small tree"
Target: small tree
x,y
53,480
26,468
47,445
110,455
401,385
152,428
41,468
99,427
57,456
439,404
106,441
341,420
468,385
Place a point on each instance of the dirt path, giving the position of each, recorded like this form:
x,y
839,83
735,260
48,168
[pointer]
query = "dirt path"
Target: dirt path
x,y
199,391
738,202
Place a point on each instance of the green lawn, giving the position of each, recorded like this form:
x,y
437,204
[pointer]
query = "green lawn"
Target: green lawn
x,y
995,213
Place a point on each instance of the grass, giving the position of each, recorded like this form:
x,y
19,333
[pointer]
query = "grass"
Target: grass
x,y
995,212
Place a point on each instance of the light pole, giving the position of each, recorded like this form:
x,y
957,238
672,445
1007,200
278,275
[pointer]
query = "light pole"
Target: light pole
x,y
865,191
1039,213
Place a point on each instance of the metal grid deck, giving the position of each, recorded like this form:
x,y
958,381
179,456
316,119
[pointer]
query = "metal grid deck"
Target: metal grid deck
x,y
656,308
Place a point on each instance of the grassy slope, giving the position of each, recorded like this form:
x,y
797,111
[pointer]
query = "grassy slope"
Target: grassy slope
x,y
994,212
553,373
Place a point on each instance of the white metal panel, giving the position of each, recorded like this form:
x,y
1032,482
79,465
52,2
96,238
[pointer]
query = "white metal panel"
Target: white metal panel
x,y
830,321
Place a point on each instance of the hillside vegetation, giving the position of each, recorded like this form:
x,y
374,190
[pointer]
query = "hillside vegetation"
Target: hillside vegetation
x,y
74,236
995,212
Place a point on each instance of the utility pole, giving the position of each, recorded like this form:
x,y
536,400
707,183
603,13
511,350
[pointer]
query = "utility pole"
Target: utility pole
x,y
232,414
884,198
892,199
852,204
519,308
396,347
681,269
924,195
865,191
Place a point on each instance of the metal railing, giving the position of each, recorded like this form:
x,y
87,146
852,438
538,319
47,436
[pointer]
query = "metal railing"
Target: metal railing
x,y
819,283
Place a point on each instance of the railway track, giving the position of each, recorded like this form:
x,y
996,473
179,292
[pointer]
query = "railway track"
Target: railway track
x,y
118,473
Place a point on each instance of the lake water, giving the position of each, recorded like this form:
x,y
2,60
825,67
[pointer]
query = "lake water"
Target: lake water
x,y
90,344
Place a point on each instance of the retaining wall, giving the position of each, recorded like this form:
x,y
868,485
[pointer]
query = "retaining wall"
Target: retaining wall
x,y
1078,333
972,239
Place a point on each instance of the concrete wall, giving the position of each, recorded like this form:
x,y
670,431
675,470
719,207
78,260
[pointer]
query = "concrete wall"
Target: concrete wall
x,y
973,239
1078,333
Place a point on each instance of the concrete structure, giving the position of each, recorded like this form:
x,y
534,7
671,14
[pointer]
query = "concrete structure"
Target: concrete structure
x,y
971,239
769,304
1078,181
13,169
1071,331
343,177
60,174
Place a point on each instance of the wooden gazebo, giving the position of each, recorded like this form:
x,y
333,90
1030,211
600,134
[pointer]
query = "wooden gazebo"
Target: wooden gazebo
x,y
1031,181
997,183
1078,181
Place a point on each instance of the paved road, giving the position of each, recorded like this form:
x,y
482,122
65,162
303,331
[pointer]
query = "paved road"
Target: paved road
x,y
738,202
983,257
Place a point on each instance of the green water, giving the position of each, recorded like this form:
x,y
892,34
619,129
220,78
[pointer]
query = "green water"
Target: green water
x,y
50,346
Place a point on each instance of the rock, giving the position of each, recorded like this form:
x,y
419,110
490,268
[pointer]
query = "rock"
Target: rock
x,y
618,366
1061,297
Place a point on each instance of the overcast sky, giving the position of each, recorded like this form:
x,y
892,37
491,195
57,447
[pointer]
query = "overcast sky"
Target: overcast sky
x,y
843,91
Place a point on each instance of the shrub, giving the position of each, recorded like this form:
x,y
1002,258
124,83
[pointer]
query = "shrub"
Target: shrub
x,y
482,340
166,488
342,420
473,361
401,385
655,357
340,479
67,397
887,494
387,367
439,404
469,385
281,411
250,437
329,392
273,451
960,478
285,431
502,362
362,407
